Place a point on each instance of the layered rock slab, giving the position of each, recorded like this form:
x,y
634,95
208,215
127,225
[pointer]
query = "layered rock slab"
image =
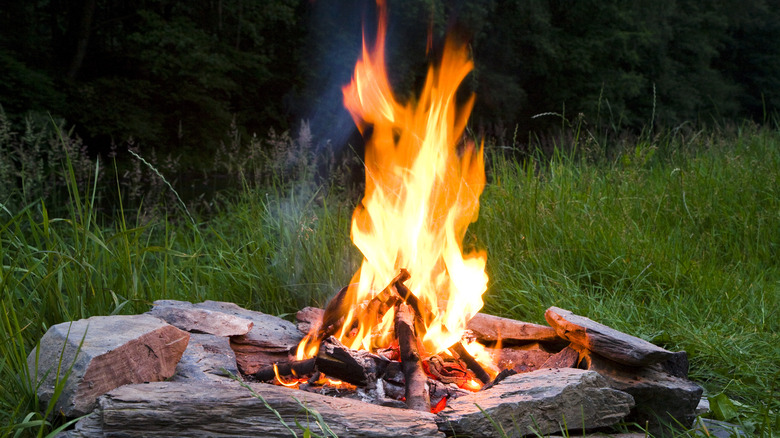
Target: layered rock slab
x,y
207,357
270,339
101,353
664,401
196,318
198,409
543,401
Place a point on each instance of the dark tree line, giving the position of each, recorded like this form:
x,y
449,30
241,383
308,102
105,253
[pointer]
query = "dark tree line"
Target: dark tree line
x,y
175,74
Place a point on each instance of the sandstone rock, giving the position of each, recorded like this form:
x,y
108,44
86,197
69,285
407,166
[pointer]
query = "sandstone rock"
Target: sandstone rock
x,y
308,318
207,357
270,339
662,400
116,350
540,402
606,341
200,409
192,318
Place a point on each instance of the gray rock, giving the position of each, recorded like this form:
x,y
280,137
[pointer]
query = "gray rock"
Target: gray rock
x,y
207,357
114,351
190,317
201,409
663,401
542,401
270,339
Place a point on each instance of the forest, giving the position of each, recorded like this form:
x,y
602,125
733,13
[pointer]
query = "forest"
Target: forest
x,y
174,75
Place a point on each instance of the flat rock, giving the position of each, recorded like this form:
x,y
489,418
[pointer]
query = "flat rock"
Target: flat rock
x,y
539,402
198,409
663,401
114,351
606,341
270,340
207,357
190,317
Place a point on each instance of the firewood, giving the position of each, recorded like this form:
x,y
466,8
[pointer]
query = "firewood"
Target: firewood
x,y
566,358
447,371
471,363
409,298
295,368
417,396
522,359
357,367
606,341
488,328
334,314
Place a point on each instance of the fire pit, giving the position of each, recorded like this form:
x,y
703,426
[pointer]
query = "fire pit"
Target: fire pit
x,y
574,374
402,349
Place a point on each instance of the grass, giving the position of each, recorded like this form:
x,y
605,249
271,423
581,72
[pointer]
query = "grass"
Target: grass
x,y
674,238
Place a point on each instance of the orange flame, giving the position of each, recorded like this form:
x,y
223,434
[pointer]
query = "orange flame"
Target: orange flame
x,y
422,192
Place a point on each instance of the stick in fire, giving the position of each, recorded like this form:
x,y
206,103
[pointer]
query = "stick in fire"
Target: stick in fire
x,y
417,396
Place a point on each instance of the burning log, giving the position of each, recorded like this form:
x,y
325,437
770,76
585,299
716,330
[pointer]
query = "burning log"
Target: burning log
x,y
333,317
295,368
494,328
417,396
566,358
357,367
450,371
471,363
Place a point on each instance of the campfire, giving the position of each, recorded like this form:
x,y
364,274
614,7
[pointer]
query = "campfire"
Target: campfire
x,y
404,337
416,288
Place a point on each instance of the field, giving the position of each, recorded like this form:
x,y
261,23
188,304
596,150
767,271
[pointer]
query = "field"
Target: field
x,y
671,237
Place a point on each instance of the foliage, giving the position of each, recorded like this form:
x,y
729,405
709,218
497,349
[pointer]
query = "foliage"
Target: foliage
x,y
173,75
672,238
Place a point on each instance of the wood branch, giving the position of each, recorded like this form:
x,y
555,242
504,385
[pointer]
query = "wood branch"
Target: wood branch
x,y
471,363
383,301
417,396
494,328
409,298
295,368
604,340
333,317
357,367
501,376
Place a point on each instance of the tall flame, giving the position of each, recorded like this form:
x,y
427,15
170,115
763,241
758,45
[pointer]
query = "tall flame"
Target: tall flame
x,y
423,184
422,192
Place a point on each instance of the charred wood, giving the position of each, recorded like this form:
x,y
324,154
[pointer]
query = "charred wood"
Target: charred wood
x,y
417,396
357,367
471,363
296,368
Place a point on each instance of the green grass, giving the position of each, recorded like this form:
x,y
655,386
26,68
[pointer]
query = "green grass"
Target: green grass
x,y
674,239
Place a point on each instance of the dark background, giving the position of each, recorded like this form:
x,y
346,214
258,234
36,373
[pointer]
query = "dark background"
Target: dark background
x,y
173,74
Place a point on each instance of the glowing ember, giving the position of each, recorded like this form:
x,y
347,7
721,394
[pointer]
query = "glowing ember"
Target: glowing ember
x,y
422,191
